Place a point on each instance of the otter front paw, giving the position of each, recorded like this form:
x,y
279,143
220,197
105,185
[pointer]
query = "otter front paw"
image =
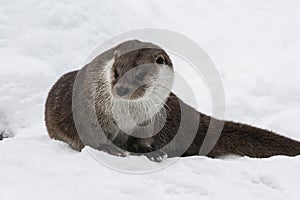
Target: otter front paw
x,y
113,150
156,156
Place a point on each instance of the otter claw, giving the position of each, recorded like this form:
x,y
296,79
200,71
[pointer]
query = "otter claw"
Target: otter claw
x,y
156,156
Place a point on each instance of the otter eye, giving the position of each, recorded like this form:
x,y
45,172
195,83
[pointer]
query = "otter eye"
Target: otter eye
x,y
160,60
116,74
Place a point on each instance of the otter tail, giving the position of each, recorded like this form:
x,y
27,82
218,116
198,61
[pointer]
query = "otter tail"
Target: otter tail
x,y
254,142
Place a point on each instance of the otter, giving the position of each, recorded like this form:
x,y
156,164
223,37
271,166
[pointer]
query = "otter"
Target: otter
x,y
121,103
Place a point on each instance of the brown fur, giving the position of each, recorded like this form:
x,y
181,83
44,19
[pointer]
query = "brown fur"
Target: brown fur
x,y
236,138
58,113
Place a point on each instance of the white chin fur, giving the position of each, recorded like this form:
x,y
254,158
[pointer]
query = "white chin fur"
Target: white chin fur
x,y
129,113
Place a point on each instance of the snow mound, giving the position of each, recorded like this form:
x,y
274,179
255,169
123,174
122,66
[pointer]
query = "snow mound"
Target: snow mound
x,y
36,167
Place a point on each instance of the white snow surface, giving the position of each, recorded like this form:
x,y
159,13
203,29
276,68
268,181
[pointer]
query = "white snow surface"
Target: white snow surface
x,y
254,44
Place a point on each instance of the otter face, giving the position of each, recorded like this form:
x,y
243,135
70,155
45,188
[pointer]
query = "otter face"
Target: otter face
x,y
140,82
138,73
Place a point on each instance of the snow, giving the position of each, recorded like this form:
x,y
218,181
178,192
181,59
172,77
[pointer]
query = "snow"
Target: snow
x,y
254,45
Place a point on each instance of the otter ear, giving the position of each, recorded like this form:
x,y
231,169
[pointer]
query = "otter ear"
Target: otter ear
x,y
160,60
116,54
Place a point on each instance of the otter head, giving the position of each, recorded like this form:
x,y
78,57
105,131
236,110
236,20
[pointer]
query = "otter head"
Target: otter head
x,y
137,73
141,80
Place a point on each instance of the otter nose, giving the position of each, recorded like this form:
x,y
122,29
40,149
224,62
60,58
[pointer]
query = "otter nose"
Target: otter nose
x,y
121,91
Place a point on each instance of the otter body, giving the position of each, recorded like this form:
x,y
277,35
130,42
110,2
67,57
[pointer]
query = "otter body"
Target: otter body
x,y
235,139
110,91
